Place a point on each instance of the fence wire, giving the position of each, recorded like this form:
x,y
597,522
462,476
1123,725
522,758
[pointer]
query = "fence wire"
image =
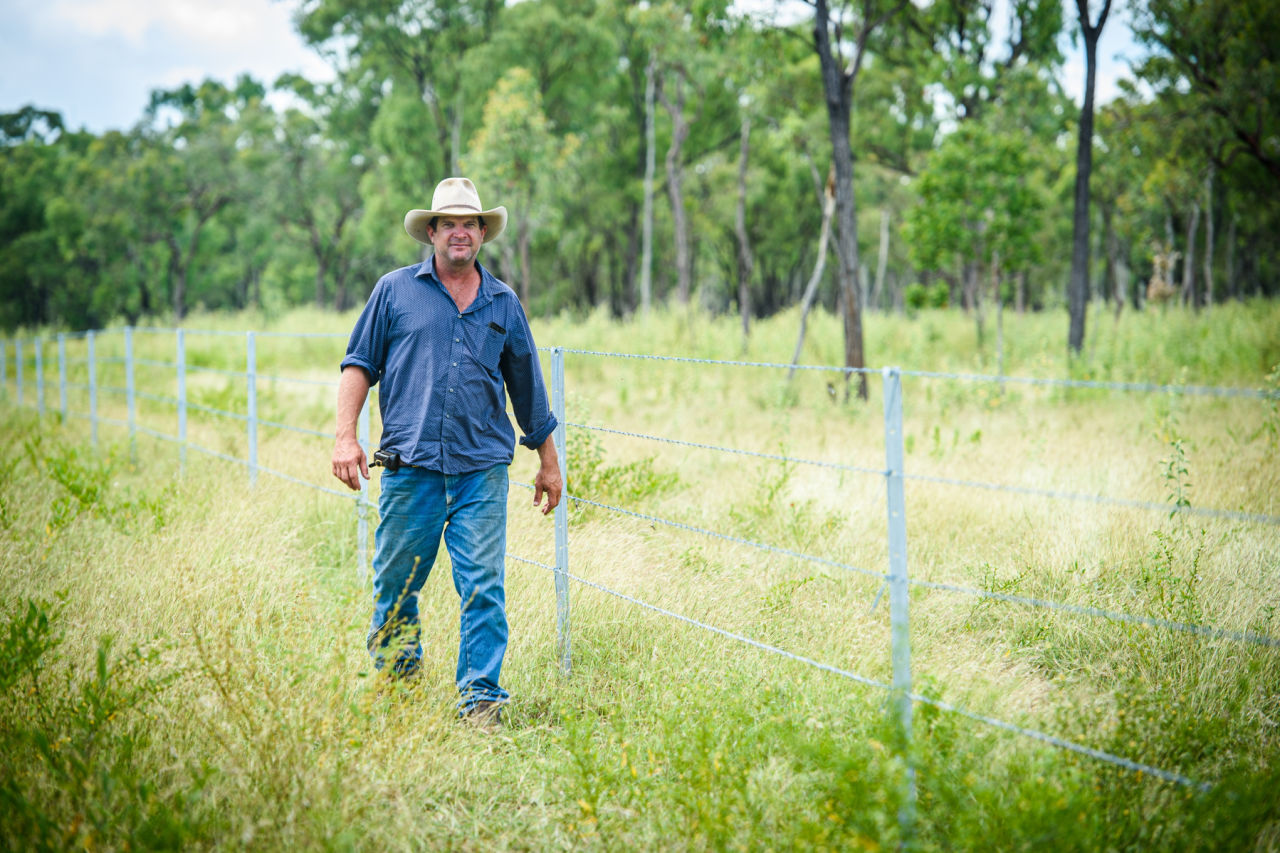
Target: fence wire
x,y
750,543
1053,740
772,456
1206,512
1136,387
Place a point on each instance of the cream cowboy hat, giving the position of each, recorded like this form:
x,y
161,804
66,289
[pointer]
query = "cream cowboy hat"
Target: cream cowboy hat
x,y
455,197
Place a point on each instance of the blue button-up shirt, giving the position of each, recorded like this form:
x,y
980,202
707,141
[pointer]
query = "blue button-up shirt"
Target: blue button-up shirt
x,y
442,370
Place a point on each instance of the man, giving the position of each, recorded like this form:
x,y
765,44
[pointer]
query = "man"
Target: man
x,y
448,342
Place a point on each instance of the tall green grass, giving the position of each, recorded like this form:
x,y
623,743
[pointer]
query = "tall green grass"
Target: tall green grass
x,y
184,662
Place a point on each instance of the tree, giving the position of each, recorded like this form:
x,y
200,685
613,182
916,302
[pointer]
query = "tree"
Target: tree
x,y
839,74
322,154
519,157
1078,287
1224,55
418,42
976,206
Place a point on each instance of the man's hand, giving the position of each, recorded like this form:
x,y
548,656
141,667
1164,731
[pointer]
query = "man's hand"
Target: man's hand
x,y
349,462
548,479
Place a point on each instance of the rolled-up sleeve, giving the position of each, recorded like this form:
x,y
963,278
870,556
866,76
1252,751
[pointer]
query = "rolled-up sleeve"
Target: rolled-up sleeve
x,y
522,373
367,346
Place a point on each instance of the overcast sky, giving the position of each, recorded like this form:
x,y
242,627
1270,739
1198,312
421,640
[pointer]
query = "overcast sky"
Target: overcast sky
x,y
96,61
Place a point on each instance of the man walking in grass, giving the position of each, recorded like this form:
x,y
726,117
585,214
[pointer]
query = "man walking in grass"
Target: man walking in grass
x,y
449,342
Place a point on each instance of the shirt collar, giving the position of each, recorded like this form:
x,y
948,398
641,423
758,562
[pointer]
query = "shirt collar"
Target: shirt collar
x,y
488,284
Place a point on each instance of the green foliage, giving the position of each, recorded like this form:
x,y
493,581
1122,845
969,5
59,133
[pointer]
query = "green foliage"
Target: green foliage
x,y
627,483
76,744
918,296
86,489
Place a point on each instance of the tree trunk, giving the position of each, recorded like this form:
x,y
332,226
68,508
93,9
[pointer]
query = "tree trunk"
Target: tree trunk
x,y
1208,238
523,238
1233,287
675,187
995,293
1112,275
1078,286
882,259
837,85
646,252
1189,296
811,289
740,226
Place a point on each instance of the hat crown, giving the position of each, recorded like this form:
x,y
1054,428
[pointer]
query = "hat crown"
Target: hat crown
x,y
456,193
455,197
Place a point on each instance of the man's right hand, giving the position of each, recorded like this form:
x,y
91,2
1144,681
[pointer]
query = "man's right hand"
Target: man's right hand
x,y
349,462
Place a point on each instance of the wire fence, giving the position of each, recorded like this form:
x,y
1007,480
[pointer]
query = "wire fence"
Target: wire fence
x,y
110,356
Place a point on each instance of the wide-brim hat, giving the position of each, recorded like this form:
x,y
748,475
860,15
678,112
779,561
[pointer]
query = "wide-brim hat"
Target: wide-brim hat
x,y
455,197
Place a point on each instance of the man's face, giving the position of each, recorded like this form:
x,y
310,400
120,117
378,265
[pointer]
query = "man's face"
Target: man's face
x,y
457,239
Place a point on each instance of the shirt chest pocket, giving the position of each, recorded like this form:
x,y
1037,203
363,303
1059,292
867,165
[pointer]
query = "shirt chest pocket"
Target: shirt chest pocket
x,y
486,341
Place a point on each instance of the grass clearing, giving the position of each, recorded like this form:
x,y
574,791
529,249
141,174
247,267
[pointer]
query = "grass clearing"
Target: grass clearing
x,y
184,661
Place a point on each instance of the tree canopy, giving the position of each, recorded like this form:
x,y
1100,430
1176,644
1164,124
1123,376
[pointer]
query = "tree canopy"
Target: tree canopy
x,y
945,132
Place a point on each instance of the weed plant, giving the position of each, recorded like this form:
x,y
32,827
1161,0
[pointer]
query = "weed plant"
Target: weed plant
x,y
183,659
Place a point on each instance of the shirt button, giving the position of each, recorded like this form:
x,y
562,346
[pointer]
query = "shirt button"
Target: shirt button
x,y
455,364
457,340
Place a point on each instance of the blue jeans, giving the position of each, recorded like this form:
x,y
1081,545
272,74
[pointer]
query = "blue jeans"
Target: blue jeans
x,y
416,507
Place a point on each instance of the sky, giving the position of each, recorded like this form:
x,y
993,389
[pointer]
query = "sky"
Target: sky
x,y
97,61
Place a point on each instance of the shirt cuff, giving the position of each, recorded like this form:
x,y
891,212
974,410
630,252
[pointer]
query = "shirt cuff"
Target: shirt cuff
x,y
363,364
534,440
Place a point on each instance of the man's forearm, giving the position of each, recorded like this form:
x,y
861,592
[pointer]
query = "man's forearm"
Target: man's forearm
x,y
547,454
353,390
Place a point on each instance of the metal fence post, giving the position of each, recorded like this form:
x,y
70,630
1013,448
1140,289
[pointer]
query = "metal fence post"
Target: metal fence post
x,y
561,514
251,373
39,377
62,374
90,338
17,351
362,502
898,588
181,357
132,392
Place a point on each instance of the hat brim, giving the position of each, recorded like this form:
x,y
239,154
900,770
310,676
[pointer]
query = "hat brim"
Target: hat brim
x,y
416,221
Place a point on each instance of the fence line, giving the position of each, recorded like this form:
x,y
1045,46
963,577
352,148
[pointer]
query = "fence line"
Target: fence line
x,y
772,456
1207,512
897,580
1062,743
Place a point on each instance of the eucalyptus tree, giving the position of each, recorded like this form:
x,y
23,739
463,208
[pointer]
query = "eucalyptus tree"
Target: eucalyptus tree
x,y
320,154
520,158
1224,57
198,162
416,48
574,52
1078,286
976,207
686,47
30,150
842,34
986,58
1214,68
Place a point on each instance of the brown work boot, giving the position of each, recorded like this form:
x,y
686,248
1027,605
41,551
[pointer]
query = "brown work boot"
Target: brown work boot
x,y
485,715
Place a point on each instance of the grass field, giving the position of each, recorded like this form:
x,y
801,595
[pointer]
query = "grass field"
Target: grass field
x,y
184,663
